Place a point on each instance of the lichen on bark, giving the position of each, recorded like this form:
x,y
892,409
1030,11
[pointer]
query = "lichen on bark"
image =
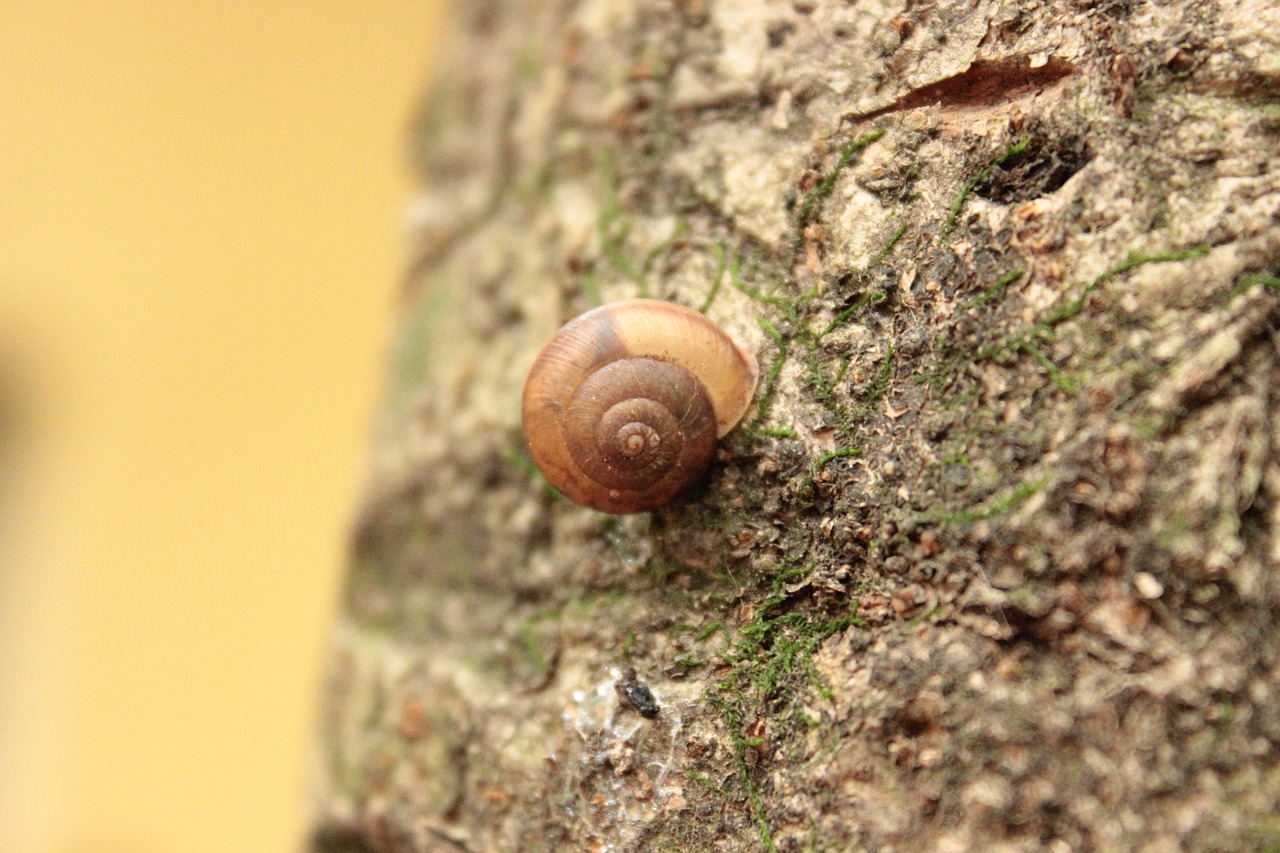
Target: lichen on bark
x,y
995,563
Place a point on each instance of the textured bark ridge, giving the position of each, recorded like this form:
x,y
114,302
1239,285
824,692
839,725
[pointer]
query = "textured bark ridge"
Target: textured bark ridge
x,y
995,563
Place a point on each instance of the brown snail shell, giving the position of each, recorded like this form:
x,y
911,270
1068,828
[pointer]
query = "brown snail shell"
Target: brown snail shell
x,y
623,407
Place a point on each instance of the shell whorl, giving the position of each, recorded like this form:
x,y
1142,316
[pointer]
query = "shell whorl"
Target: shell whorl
x,y
623,407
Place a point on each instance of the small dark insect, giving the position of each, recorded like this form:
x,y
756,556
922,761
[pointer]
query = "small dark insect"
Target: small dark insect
x,y
636,694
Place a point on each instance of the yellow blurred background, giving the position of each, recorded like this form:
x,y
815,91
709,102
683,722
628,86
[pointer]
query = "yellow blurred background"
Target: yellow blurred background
x,y
199,243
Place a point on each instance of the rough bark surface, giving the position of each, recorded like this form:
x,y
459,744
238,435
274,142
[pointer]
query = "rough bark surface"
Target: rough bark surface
x,y
996,562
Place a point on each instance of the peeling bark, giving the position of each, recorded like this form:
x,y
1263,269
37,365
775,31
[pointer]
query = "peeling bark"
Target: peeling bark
x,y
996,562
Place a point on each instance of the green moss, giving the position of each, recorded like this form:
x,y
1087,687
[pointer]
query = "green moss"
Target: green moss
x,y
770,385
998,507
611,225
982,174
869,299
722,258
1132,261
1056,376
699,635
770,662
919,619
814,198
702,779
787,305
883,376
613,230
816,467
835,454
715,627
1264,834
790,326
733,719
1269,282
591,288
531,634
663,249
883,252
822,382
996,290
1030,340
518,459
951,359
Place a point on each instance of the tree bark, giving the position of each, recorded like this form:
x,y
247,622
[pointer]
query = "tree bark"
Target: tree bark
x,y
995,561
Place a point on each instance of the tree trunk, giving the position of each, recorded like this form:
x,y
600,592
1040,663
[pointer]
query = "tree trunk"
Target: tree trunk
x,y
995,561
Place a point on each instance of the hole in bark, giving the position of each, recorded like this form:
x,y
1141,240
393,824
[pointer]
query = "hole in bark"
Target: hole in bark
x,y
1043,168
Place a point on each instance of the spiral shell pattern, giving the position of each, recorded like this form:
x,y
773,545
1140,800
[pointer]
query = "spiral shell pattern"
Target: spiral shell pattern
x,y
623,407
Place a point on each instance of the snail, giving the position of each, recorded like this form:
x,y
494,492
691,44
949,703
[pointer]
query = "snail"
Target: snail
x,y
623,407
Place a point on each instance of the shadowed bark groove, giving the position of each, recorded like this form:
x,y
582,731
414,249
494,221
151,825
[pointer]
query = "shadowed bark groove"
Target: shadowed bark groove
x,y
995,563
